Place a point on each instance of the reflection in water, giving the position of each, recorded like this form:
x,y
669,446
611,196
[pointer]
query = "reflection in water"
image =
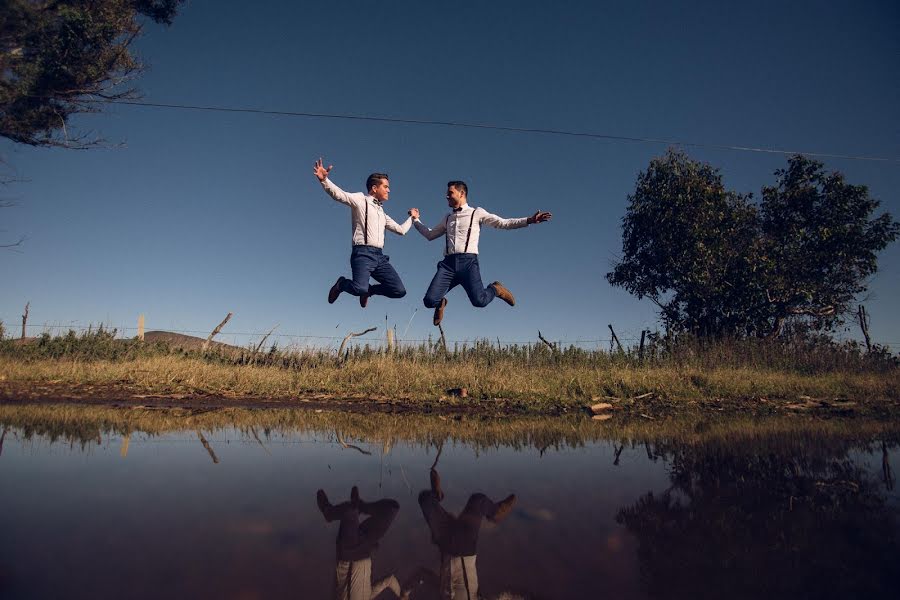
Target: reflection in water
x,y
356,542
180,504
749,522
456,537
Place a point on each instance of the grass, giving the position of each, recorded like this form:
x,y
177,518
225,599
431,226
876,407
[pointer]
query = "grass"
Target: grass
x,y
84,424
535,377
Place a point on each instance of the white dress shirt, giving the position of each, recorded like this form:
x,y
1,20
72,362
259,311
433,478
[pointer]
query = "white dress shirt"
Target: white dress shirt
x,y
456,226
365,210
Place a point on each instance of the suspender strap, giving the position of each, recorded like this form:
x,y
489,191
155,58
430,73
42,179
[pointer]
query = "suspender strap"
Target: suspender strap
x,y
366,226
462,562
447,248
469,235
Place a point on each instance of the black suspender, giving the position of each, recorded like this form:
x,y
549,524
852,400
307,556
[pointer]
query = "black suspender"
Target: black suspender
x,y
366,226
468,235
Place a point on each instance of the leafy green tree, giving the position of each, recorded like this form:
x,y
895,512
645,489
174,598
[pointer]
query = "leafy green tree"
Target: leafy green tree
x,y
58,57
688,245
717,264
819,243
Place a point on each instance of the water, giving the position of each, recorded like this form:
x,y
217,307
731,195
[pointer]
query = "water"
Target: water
x,y
108,504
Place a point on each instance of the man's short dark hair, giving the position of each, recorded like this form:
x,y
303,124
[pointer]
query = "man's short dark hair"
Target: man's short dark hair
x,y
375,179
460,187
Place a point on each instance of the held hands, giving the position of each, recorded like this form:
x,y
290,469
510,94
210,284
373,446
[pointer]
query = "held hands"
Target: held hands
x,y
320,171
539,217
413,212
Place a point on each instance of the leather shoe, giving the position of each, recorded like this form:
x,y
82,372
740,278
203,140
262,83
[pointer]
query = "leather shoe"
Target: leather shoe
x,y
503,293
364,300
439,312
335,291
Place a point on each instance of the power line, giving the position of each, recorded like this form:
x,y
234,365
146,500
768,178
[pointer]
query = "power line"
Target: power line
x,y
470,125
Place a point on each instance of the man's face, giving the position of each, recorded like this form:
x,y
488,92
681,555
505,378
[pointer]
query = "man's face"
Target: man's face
x,y
381,191
455,197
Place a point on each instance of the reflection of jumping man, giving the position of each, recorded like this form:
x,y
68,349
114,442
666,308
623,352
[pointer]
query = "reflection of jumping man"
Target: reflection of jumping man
x,y
457,537
462,228
369,222
356,542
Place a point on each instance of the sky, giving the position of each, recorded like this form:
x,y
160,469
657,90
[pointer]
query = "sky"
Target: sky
x,y
190,215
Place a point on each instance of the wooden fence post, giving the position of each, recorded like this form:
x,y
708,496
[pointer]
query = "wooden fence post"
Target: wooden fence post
x,y
641,348
215,332
25,318
140,334
864,325
614,339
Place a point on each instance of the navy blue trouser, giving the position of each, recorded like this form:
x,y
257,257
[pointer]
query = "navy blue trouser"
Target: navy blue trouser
x,y
368,261
457,536
454,270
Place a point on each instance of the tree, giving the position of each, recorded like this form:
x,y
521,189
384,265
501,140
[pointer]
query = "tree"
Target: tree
x,y
819,243
58,57
717,264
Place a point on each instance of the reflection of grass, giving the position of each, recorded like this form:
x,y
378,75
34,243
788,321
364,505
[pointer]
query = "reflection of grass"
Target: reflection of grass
x,y
535,385
88,423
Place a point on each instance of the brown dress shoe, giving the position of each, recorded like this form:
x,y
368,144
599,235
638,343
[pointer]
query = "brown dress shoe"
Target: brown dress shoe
x,y
364,300
504,294
335,291
439,312
504,508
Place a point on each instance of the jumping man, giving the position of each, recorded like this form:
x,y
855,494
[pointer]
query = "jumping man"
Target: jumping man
x,y
462,228
369,222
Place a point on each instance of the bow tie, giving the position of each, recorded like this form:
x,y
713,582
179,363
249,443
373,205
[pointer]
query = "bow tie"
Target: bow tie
x,y
457,209
377,202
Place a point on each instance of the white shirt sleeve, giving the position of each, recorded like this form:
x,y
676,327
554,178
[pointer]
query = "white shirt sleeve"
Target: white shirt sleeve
x,y
431,234
338,194
391,225
500,223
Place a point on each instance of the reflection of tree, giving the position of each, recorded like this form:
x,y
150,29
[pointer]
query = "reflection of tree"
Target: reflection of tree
x,y
800,523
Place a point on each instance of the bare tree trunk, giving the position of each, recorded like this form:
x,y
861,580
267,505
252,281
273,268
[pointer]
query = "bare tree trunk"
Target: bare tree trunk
x,y
206,445
263,341
641,348
443,339
215,332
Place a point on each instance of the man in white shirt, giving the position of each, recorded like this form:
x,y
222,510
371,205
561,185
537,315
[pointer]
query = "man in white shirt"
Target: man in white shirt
x,y
369,222
457,538
356,542
462,229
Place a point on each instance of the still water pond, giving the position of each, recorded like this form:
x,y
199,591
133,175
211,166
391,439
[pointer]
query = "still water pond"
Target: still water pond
x,y
102,503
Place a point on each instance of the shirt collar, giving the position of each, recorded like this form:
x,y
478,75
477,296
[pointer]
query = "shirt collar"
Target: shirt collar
x,y
456,210
376,201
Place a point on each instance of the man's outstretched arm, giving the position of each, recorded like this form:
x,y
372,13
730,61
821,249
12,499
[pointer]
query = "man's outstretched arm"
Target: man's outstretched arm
x,y
501,223
321,173
430,234
391,225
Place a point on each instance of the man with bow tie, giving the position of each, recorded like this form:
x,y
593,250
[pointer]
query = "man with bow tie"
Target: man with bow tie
x,y
462,229
369,222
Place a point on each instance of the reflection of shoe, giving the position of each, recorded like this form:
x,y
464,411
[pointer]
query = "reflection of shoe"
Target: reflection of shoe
x,y
364,300
504,508
324,504
335,291
436,485
354,496
503,293
439,312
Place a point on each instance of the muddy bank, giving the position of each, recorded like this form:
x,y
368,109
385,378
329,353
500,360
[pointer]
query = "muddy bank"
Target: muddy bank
x,y
645,407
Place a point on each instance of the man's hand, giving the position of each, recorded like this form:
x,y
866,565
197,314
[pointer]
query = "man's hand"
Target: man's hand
x,y
539,217
320,171
414,213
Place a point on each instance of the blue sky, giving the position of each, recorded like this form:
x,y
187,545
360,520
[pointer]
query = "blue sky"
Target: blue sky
x,y
201,213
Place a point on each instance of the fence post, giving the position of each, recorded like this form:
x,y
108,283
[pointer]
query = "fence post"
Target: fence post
x,y
140,334
25,318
